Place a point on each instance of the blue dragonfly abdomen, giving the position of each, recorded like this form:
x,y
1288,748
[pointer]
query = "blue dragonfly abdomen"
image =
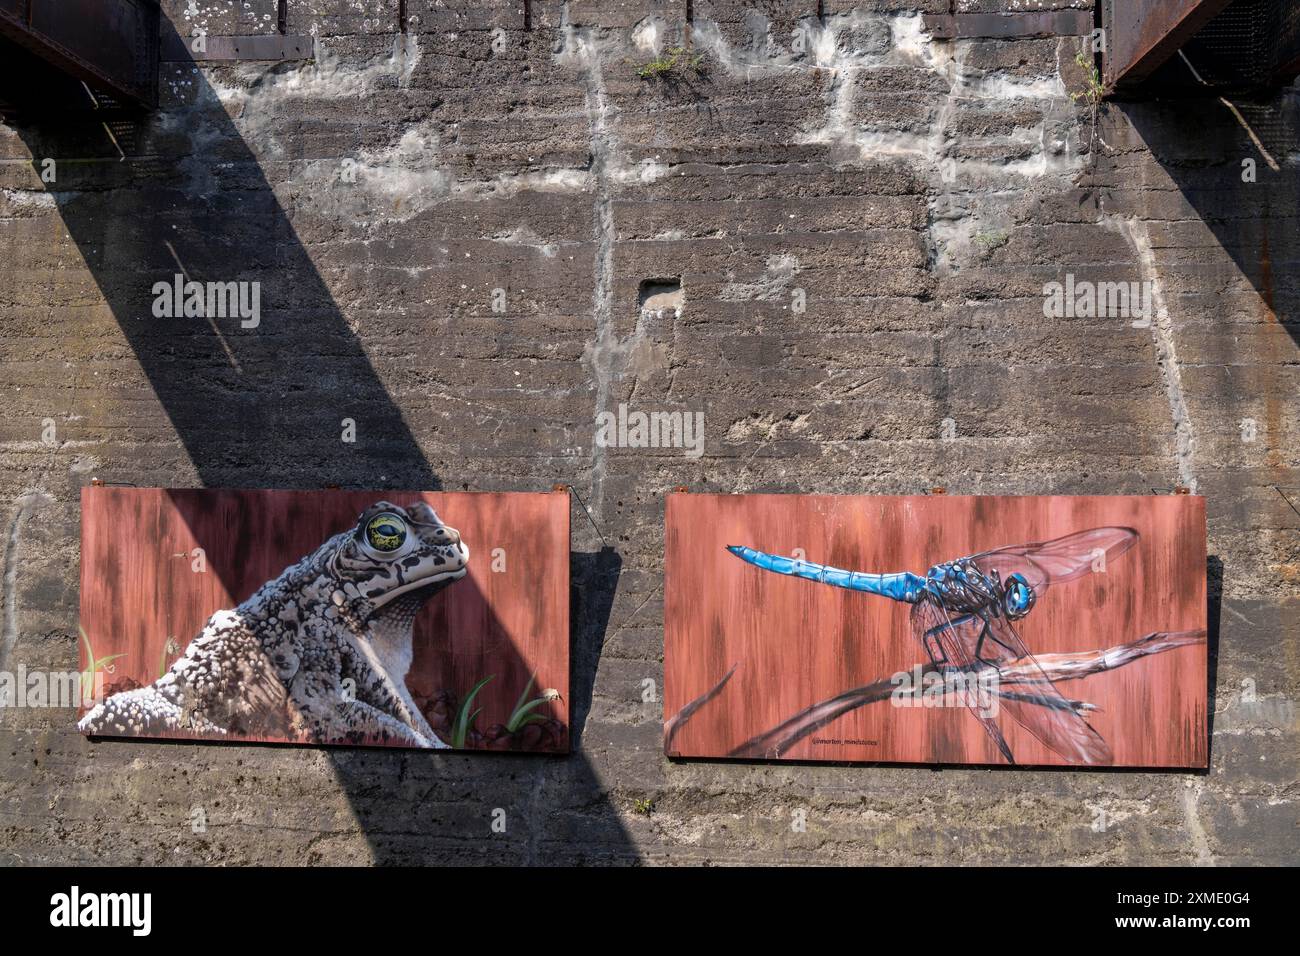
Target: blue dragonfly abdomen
x,y
902,586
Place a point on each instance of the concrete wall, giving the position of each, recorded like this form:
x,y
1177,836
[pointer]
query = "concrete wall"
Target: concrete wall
x,y
919,193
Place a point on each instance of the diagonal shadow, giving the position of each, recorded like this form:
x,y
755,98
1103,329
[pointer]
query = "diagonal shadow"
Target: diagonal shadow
x,y
1214,623
1210,147
181,191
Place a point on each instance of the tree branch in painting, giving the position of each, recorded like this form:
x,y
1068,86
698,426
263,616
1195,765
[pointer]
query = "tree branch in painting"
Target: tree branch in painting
x,y
677,721
1057,667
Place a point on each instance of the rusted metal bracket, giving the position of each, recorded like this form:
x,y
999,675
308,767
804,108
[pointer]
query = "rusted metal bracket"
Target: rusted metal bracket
x,y
1142,34
109,44
267,46
994,26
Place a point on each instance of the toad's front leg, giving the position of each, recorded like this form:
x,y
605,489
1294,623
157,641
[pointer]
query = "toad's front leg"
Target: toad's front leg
x,y
357,718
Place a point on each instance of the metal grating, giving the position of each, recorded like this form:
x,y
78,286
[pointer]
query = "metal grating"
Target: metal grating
x,y
1249,44
111,45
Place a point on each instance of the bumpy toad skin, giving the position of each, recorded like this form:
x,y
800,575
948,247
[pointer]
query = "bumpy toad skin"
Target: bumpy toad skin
x,y
320,654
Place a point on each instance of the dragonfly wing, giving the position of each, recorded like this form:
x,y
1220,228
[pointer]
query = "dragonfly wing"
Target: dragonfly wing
x,y
1061,559
935,629
1047,714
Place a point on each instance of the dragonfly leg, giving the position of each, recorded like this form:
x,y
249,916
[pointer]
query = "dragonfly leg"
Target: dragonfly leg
x,y
934,649
933,646
987,634
1003,748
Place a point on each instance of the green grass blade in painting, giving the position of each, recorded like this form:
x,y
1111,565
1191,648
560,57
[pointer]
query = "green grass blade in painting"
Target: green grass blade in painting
x,y
93,665
169,648
464,717
521,715
523,696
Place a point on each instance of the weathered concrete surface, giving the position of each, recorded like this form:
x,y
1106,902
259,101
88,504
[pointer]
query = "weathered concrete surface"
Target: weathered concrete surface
x,y
916,194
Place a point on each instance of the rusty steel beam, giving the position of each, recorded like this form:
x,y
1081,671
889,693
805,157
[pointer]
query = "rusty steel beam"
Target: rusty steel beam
x,y
111,45
1142,34
994,26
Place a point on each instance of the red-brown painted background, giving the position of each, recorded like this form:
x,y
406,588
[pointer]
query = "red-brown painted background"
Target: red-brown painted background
x,y
799,642
138,589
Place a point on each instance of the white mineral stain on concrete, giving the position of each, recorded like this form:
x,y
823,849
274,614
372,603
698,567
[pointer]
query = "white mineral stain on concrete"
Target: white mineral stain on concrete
x,y
772,284
1136,233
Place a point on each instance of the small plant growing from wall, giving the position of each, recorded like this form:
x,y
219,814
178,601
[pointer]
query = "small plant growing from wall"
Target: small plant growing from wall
x,y
1093,89
989,239
1093,93
675,60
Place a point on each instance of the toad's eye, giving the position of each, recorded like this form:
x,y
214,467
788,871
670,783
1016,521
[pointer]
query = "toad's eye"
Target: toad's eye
x,y
386,532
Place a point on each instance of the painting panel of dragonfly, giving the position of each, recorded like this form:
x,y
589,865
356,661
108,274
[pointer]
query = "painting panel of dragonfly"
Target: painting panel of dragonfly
x,y
963,626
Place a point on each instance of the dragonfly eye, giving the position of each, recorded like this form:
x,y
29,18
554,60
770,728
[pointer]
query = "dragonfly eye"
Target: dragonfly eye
x,y
384,533
1018,597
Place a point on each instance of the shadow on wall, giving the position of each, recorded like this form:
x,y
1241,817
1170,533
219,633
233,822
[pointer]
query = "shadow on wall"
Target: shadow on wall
x,y
1214,625
1237,164
1210,148
263,406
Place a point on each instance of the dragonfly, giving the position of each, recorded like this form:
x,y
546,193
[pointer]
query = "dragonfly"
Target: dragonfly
x,y
963,614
